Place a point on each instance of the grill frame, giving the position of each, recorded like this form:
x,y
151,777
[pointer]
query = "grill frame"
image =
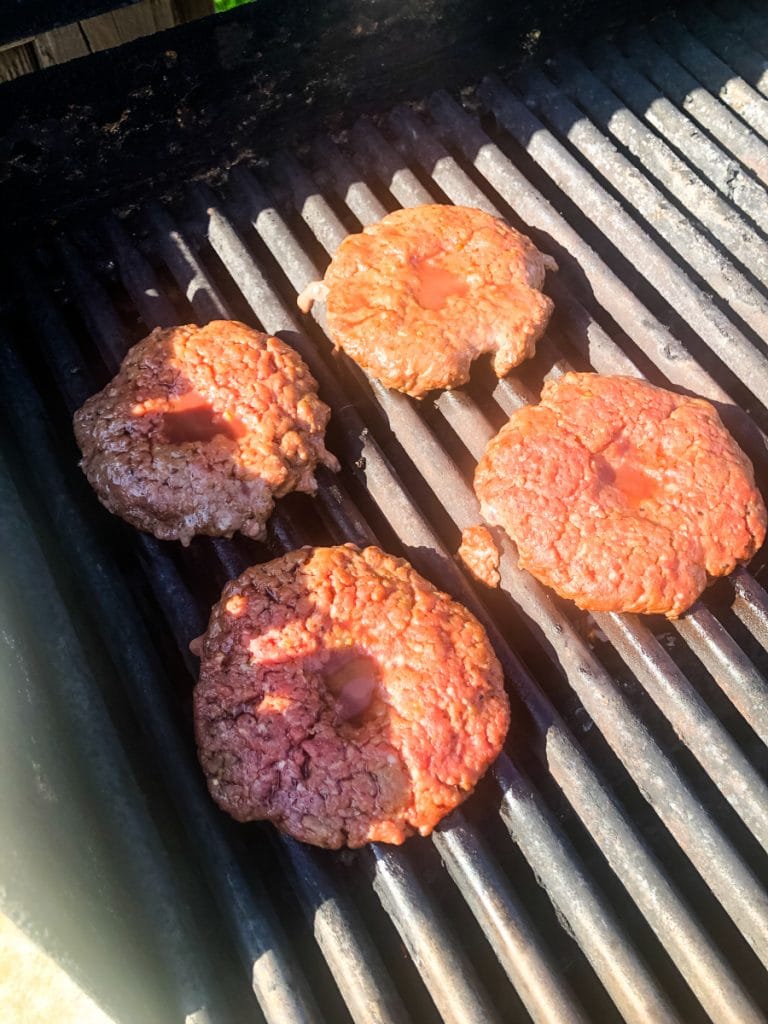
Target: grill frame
x,y
268,240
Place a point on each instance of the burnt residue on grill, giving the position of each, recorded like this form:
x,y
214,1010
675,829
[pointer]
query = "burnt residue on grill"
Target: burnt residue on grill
x,y
612,865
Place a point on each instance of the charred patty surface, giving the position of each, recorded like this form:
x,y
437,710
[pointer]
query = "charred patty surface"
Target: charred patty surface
x,y
620,495
201,429
344,698
416,297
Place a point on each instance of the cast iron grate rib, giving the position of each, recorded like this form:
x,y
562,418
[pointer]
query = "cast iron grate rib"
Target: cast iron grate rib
x,y
633,790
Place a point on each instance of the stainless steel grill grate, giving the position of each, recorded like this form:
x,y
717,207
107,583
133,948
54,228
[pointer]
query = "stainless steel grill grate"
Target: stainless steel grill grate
x,y
633,788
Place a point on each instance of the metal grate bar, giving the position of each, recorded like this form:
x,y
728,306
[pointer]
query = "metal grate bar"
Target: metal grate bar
x,y
365,986
686,92
452,983
331,231
657,159
748,22
751,605
531,827
710,324
587,917
733,672
698,149
715,75
546,100
185,267
506,924
739,53
694,723
339,175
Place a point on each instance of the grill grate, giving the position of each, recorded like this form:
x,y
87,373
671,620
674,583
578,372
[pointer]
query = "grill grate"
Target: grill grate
x,y
633,789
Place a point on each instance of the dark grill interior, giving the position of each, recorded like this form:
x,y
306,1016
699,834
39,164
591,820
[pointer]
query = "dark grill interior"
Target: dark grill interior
x,y
613,865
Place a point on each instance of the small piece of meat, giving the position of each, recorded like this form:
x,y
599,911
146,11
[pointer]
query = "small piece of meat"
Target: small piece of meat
x,y
316,291
345,699
415,298
479,553
622,496
201,429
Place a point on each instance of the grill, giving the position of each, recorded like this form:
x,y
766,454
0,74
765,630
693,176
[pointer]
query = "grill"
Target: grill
x,y
612,865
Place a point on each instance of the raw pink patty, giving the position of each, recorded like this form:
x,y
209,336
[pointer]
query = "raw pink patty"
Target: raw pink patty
x,y
620,495
415,298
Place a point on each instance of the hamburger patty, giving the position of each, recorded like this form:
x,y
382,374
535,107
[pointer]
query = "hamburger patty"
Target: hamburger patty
x,y
344,698
415,298
201,429
620,495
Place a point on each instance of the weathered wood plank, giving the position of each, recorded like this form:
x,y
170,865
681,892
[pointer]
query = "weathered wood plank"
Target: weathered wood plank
x,y
121,26
190,10
101,32
164,14
16,61
23,19
16,42
60,44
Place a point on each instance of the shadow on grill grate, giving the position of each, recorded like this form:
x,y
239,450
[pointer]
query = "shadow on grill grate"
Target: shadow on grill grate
x,y
631,794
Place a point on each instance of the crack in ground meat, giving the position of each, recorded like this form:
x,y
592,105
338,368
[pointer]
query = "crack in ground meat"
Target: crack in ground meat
x,y
432,719
620,495
415,298
201,429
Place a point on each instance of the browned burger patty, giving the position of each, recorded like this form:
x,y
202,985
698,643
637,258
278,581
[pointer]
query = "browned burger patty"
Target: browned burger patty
x,y
620,495
344,698
201,429
415,298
